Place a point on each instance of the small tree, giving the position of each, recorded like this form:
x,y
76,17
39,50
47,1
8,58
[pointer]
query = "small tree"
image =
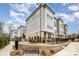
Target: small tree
x,y
32,40
35,39
38,39
43,40
29,39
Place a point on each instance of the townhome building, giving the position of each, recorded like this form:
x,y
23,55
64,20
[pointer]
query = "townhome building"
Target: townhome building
x,y
42,23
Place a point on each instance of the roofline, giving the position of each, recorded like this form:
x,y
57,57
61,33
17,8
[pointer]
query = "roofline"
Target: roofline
x,y
60,20
55,18
13,30
66,25
44,5
21,26
49,8
33,12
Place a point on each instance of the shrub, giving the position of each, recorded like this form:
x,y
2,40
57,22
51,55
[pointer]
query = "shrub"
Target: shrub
x,y
34,37
29,39
43,53
2,44
43,41
52,51
4,40
38,39
35,40
48,40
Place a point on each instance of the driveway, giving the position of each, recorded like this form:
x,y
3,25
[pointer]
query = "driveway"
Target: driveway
x,y
71,50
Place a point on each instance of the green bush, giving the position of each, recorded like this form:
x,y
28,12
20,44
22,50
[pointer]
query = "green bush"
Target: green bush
x,y
34,39
43,40
48,40
4,40
2,44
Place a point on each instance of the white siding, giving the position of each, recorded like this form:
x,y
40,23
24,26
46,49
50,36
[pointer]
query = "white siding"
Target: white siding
x,y
42,18
61,28
49,21
33,24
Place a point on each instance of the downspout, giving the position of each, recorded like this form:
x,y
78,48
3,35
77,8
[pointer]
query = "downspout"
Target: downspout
x,y
40,23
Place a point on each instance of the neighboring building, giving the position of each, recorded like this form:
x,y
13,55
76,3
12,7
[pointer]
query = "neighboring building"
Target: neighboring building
x,y
13,34
66,30
21,31
42,23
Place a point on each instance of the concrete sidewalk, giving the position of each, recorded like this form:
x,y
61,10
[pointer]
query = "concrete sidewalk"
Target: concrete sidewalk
x,y
6,50
71,50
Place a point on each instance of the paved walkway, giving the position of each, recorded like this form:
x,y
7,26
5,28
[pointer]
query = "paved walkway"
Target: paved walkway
x,y
40,44
6,50
71,50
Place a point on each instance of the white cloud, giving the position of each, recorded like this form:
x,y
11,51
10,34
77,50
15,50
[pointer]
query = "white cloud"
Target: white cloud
x,y
76,14
18,15
69,18
66,17
16,22
73,7
19,21
23,7
13,13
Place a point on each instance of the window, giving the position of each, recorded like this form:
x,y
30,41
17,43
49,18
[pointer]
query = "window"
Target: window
x,y
44,34
15,32
49,35
49,16
55,32
55,23
50,27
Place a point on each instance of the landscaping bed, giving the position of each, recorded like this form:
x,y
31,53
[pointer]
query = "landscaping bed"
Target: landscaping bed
x,y
41,50
4,41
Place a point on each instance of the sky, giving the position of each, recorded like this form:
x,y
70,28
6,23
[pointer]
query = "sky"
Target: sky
x,y
15,15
